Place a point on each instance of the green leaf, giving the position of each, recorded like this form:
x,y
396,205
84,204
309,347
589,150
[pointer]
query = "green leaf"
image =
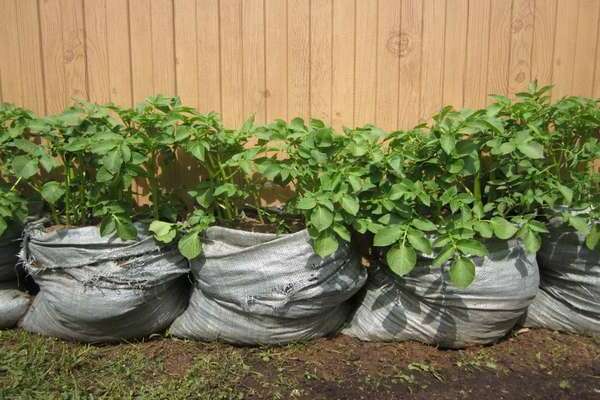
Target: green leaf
x,y
502,228
484,229
531,241
326,244
592,239
24,167
306,203
472,247
113,161
163,231
580,224
567,193
388,236
444,256
401,259
462,272
419,242
125,229
448,143
190,246
197,150
350,204
531,149
321,218
107,226
342,232
3,226
424,225
52,192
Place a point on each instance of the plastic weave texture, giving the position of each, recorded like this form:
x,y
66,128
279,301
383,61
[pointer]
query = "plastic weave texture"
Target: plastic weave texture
x,y
101,289
569,295
256,288
424,306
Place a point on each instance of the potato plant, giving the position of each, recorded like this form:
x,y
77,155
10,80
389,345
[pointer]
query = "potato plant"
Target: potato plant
x,y
19,163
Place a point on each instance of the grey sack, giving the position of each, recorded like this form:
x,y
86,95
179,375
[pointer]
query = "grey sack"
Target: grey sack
x,y
424,306
101,289
13,304
569,295
256,288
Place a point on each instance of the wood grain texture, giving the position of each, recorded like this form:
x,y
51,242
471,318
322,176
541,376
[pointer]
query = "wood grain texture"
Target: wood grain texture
x,y
410,51
348,62
342,68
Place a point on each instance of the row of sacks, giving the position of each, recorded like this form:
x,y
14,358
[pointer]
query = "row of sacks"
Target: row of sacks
x,y
253,288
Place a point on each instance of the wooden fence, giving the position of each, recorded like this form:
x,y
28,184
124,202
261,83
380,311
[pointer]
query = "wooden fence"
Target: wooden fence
x,y
349,62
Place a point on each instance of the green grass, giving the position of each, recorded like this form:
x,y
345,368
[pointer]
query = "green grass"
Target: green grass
x,y
33,367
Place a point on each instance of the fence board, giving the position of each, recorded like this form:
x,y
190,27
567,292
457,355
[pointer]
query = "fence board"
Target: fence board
x,y
349,62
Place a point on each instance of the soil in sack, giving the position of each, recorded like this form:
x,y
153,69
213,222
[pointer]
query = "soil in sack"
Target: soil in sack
x,y
10,243
102,289
569,295
424,305
260,288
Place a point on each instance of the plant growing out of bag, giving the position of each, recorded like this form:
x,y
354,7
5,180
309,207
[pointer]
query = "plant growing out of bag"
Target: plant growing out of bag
x,y
15,166
328,172
542,161
226,184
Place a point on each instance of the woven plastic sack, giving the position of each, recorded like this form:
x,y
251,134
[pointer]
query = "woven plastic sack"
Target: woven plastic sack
x,y
569,296
256,288
13,304
101,289
424,306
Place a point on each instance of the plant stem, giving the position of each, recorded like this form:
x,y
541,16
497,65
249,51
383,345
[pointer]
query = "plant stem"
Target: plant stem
x,y
154,189
68,210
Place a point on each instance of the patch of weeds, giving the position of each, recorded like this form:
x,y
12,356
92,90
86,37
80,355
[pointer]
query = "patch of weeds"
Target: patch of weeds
x,y
426,368
478,361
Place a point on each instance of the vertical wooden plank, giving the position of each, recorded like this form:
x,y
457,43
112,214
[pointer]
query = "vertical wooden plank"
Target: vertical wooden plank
x,y
321,59
298,58
521,45
10,60
209,59
596,84
142,68
74,49
564,47
477,54
499,49
231,69
543,41
253,35
342,91
365,79
388,63
432,69
119,52
52,56
585,48
186,52
276,67
31,61
96,50
163,47
455,52
411,43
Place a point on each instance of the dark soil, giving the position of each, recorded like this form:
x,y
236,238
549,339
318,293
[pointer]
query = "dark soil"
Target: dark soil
x,y
530,364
